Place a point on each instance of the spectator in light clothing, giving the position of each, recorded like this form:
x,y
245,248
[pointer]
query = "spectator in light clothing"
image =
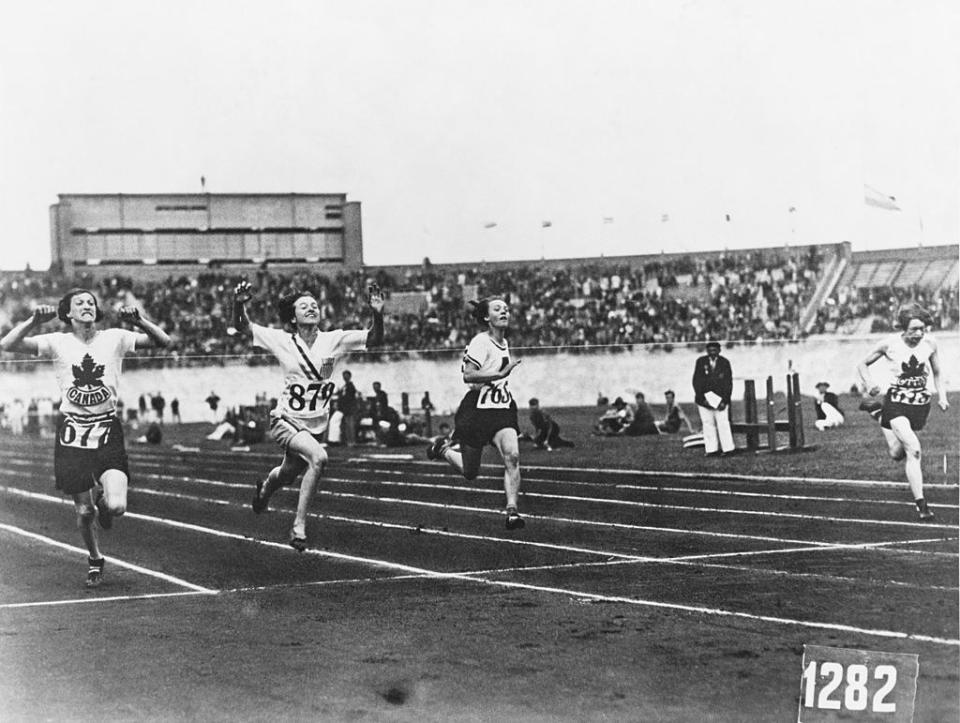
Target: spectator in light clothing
x,y
827,407
712,388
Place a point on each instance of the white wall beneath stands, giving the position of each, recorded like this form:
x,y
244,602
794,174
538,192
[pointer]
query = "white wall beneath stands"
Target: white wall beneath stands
x,y
558,380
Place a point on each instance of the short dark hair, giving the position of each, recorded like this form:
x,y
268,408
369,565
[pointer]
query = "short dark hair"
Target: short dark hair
x,y
912,311
534,402
285,306
481,308
63,308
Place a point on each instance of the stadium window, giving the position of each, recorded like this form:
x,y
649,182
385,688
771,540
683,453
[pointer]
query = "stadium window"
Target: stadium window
x,y
182,207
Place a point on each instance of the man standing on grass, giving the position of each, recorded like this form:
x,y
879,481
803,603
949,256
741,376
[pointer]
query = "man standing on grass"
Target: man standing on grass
x,y
712,388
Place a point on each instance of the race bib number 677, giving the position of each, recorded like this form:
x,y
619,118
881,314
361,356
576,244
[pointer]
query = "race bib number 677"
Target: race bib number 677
x,y
90,435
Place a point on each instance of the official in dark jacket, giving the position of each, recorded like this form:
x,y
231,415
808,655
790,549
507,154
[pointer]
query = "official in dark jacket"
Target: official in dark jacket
x,y
712,387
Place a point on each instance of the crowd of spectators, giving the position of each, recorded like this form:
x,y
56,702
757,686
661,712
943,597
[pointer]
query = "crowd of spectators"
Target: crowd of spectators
x,y
843,311
737,295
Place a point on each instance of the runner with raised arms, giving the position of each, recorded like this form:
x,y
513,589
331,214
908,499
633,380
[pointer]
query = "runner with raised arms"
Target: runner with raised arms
x,y
90,459
307,357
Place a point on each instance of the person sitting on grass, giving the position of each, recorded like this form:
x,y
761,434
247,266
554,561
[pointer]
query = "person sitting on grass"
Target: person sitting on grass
x,y
615,419
827,406
643,422
546,430
675,418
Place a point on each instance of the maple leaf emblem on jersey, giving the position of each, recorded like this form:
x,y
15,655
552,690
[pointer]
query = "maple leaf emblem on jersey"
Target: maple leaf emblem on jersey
x,y
89,374
912,367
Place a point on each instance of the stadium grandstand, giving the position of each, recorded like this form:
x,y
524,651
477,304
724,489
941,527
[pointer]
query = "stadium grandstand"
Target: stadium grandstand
x,y
749,295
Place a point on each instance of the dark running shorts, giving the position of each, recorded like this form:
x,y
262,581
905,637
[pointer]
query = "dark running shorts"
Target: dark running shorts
x,y
85,449
477,427
916,413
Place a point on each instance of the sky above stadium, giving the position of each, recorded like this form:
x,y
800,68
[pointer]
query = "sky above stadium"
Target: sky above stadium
x,y
506,129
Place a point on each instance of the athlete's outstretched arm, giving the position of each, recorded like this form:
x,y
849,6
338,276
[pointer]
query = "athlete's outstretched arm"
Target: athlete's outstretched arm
x,y
16,339
152,334
375,337
864,371
242,293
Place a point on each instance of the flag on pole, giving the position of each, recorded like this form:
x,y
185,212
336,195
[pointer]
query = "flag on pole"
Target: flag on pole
x,y
727,216
608,219
792,209
664,217
878,199
490,224
546,224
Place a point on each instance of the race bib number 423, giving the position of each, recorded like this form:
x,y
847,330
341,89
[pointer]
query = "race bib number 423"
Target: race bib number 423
x,y
856,685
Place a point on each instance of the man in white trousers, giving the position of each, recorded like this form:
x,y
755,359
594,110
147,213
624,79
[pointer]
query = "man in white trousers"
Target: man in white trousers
x,y
712,387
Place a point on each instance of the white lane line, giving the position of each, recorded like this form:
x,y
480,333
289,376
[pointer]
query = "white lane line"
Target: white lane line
x,y
675,490
636,504
398,500
97,600
140,456
736,568
549,518
411,569
169,468
72,548
686,560
690,475
617,485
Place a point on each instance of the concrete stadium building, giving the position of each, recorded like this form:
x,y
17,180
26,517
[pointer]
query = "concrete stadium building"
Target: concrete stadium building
x,y
158,235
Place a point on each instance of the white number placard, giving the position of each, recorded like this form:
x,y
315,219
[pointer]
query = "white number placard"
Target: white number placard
x,y
844,684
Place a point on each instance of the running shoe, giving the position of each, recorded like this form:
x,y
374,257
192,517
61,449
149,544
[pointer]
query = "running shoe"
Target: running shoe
x,y
296,542
435,451
514,520
924,513
95,572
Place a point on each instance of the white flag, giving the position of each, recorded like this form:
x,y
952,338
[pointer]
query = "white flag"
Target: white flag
x,y
878,199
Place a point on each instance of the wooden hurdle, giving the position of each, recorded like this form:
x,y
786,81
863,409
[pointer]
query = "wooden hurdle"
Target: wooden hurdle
x,y
753,428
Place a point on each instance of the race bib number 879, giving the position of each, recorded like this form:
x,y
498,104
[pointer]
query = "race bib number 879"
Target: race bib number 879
x,y
856,685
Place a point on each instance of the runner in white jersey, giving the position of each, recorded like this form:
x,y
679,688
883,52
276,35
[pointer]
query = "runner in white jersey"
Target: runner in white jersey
x,y
90,460
906,404
307,357
488,412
